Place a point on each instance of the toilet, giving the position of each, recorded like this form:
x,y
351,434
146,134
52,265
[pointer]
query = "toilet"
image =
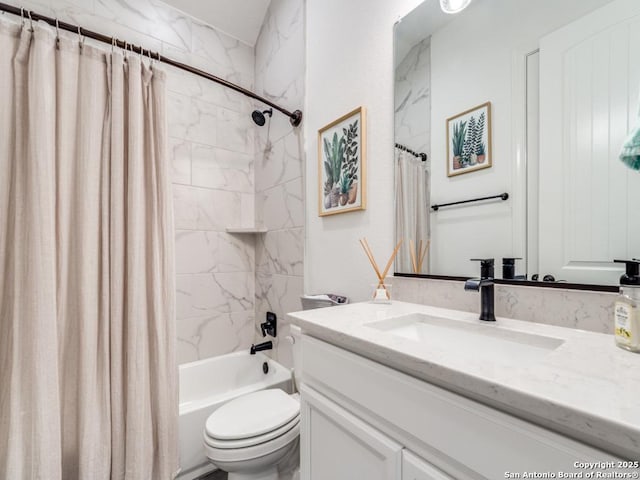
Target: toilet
x,y
249,436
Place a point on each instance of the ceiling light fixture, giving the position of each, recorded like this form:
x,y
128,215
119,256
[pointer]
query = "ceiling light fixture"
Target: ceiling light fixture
x,y
454,6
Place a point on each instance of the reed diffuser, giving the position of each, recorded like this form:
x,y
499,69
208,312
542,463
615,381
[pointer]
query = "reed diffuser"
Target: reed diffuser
x,y
382,292
417,255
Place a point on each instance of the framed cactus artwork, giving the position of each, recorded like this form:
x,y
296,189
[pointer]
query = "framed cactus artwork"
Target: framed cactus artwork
x,y
341,164
469,140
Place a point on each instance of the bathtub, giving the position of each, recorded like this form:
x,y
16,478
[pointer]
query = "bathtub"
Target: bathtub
x,y
207,384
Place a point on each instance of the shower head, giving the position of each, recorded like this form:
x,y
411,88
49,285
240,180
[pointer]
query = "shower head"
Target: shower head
x,y
258,116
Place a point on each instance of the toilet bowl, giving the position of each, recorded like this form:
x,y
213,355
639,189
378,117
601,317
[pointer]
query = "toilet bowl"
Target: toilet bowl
x,y
249,436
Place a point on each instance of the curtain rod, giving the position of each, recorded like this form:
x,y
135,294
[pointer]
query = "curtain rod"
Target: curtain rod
x,y
295,117
422,156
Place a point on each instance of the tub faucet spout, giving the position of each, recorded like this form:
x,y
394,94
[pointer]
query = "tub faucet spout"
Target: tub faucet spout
x,y
260,347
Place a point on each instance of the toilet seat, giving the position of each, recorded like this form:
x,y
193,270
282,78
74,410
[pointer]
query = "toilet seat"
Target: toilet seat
x,y
251,441
252,415
254,451
252,426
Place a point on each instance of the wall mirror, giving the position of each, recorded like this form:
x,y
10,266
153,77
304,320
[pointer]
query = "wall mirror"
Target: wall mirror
x,y
529,99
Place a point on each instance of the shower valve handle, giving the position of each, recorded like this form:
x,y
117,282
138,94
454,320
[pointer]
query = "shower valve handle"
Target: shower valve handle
x,y
270,327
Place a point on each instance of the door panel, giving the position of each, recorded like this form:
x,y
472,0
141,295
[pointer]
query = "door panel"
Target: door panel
x,y
414,468
589,86
338,446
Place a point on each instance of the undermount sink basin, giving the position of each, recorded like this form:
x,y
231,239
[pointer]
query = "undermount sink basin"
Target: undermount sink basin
x,y
483,341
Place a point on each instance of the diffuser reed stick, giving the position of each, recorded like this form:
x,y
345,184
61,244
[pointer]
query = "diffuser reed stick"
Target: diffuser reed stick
x,y
423,254
414,262
417,255
367,250
391,258
374,264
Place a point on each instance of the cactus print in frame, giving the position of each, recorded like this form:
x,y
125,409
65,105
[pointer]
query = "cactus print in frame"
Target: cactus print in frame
x,y
469,140
341,164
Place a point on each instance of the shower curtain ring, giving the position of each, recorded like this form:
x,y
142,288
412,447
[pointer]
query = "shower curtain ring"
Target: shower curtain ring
x,y
57,35
22,15
30,20
113,44
80,37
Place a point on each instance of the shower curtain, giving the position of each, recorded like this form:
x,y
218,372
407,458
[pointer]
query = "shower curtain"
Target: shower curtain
x,y
412,209
88,378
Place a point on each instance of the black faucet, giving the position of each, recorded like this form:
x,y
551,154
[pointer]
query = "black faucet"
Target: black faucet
x,y
260,347
484,284
270,327
509,269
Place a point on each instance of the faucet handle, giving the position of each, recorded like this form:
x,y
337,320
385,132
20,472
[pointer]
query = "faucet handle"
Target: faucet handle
x,y
486,266
509,267
484,262
270,326
510,260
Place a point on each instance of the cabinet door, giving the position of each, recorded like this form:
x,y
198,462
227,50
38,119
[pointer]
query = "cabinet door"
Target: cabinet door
x,y
414,468
338,446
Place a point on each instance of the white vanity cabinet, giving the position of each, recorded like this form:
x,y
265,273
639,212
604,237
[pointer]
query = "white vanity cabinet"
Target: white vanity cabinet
x,y
415,468
361,419
339,446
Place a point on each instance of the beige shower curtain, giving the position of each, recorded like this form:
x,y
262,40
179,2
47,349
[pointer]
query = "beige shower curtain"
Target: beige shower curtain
x,y
87,370
412,210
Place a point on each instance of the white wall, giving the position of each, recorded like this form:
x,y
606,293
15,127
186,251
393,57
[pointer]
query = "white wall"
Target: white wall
x,y
350,63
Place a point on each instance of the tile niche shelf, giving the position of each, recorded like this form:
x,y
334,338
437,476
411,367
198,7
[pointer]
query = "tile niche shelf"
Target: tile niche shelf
x,y
253,229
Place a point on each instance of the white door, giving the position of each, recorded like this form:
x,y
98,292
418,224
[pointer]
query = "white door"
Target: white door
x,y
415,468
335,445
588,199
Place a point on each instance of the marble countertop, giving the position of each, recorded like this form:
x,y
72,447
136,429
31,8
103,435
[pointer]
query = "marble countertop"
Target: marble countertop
x,y
586,388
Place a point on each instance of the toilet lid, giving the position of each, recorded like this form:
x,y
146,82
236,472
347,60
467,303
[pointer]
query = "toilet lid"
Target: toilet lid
x,y
273,437
252,415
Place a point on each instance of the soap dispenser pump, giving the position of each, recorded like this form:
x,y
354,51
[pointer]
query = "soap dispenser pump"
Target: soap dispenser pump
x,y
626,309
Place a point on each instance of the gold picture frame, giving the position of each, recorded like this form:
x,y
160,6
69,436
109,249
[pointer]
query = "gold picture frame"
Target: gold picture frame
x,y
342,164
469,141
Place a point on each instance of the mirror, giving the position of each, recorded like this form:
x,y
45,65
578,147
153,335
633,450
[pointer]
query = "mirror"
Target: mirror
x,y
529,99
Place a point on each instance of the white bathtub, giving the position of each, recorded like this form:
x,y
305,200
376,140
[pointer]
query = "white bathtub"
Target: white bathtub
x,y
207,384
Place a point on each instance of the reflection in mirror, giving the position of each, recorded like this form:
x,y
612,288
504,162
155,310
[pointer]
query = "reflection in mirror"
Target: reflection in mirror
x,y
562,84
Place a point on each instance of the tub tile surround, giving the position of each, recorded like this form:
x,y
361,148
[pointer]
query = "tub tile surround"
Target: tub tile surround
x,y
210,336
585,310
279,67
413,97
210,252
206,294
211,148
281,252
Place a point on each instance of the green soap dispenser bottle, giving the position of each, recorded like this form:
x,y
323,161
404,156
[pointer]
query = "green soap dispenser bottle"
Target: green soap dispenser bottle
x,y
627,308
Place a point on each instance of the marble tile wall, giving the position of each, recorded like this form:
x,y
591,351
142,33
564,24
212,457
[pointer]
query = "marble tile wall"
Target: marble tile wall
x,y
279,67
413,98
585,310
212,149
